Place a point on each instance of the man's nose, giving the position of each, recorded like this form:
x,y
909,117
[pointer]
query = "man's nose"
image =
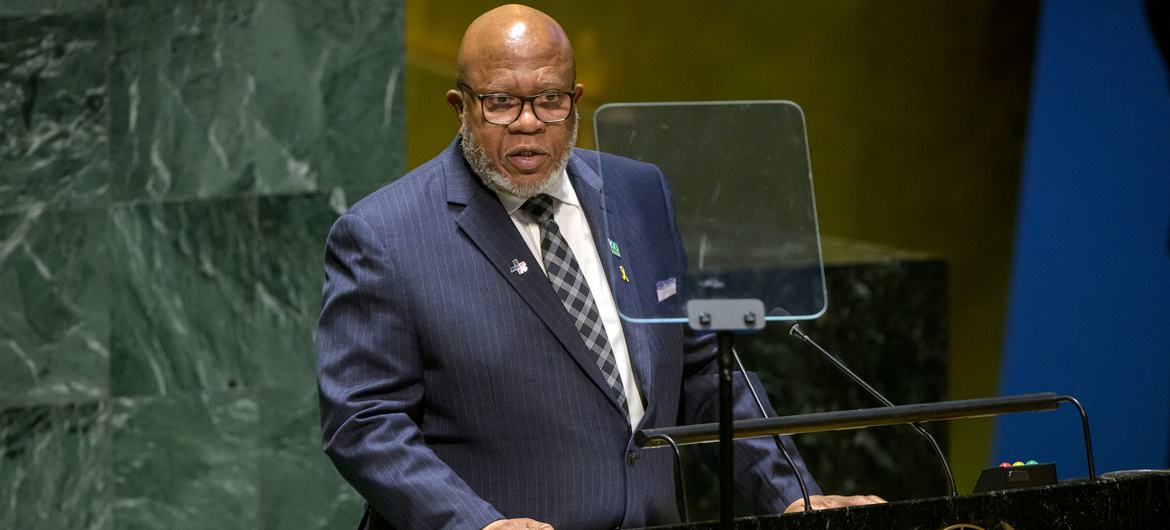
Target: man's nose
x,y
527,122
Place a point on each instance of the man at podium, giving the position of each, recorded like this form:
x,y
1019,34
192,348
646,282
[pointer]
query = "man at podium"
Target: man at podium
x,y
473,369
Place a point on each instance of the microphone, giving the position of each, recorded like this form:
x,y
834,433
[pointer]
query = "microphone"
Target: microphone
x,y
795,331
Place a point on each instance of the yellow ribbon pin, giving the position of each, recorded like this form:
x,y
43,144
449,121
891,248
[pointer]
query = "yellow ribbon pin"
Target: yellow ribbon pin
x,y
624,277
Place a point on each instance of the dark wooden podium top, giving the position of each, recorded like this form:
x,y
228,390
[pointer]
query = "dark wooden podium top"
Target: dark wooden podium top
x,y
1131,502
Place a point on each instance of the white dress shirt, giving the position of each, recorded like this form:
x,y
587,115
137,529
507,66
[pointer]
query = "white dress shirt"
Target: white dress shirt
x,y
570,217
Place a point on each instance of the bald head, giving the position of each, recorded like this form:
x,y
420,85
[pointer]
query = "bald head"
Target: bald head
x,y
510,34
520,52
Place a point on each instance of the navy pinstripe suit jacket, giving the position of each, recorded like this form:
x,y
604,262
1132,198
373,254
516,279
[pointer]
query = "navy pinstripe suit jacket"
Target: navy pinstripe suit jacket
x,y
455,392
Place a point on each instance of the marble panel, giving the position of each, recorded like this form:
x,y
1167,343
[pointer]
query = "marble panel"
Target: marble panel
x,y
14,8
290,256
55,464
54,306
185,461
225,98
183,308
53,110
886,321
299,488
329,95
182,99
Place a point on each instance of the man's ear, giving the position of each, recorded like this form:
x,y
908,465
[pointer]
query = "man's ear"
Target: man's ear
x,y
455,101
578,91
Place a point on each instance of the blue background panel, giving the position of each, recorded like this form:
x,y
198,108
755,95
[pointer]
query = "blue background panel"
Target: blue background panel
x,y
1090,298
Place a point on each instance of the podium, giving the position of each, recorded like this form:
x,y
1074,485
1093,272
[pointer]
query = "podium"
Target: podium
x,y
1131,502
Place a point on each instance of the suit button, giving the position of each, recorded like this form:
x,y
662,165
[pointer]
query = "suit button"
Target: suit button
x,y
631,457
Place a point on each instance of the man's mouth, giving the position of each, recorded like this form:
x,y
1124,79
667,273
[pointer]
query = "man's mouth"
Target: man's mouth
x,y
527,159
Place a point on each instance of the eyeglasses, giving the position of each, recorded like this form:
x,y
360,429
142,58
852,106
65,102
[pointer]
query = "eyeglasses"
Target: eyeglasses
x,y
503,109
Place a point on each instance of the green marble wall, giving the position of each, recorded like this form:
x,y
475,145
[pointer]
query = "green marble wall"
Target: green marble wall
x,y
168,172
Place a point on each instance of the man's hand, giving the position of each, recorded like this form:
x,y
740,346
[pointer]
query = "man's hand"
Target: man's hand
x,y
518,524
825,502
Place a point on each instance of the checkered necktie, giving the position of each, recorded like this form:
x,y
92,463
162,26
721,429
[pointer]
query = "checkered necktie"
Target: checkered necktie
x,y
569,283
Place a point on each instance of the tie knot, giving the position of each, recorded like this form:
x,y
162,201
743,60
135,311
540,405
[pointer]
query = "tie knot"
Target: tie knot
x,y
539,207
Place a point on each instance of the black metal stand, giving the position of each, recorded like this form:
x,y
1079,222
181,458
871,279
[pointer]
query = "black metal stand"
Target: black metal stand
x,y
726,317
724,341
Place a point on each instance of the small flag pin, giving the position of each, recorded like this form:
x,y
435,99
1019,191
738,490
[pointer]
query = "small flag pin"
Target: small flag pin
x,y
518,267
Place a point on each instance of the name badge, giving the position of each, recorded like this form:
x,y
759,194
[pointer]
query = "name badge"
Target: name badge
x,y
666,288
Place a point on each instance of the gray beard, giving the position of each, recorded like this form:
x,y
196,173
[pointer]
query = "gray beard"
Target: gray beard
x,y
482,165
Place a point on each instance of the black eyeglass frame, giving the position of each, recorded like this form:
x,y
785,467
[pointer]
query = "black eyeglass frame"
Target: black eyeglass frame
x,y
530,100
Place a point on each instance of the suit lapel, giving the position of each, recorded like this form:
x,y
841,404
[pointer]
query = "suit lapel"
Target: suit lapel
x,y
489,227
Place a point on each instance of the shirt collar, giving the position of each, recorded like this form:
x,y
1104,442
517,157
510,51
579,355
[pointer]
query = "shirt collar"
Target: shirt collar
x,y
561,190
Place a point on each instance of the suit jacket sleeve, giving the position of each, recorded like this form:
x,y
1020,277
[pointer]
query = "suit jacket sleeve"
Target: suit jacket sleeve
x,y
370,382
